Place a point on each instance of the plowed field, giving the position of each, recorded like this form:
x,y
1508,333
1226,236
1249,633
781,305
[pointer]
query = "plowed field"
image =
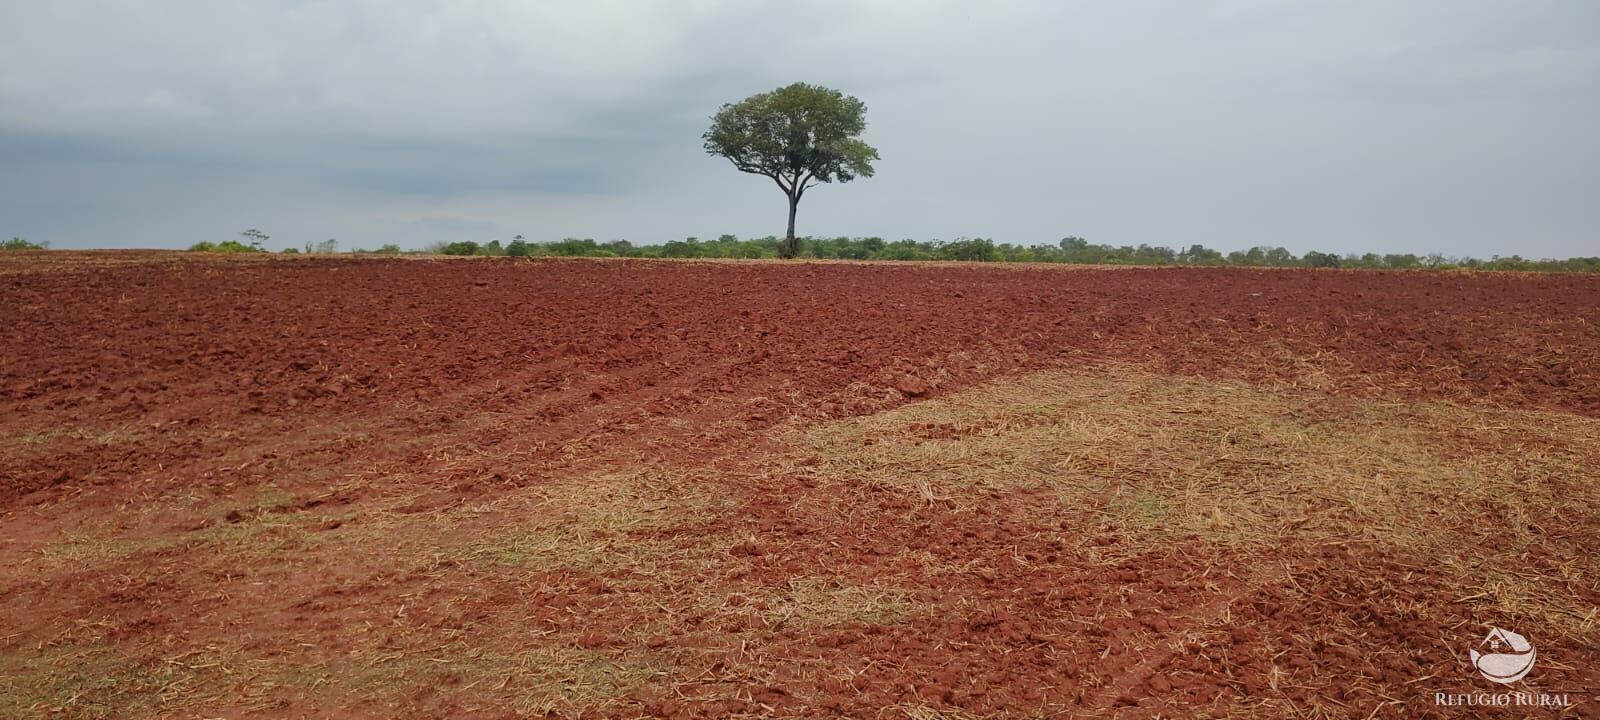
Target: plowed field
x,y
491,488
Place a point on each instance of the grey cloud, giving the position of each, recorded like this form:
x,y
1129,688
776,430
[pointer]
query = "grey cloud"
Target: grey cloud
x,y
1346,126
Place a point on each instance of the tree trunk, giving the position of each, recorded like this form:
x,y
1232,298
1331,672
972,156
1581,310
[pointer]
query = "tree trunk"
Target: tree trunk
x,y
791,245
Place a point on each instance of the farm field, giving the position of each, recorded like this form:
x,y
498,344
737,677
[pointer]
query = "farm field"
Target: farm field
x,y
489,488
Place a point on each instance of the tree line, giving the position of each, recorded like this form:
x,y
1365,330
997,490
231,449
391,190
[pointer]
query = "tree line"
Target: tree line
x,y
1074,250
1071,250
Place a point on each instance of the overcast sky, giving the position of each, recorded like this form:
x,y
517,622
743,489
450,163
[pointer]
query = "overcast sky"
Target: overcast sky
x,y
1341,125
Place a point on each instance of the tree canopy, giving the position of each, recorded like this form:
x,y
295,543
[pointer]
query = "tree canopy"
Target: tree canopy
x,y
800,136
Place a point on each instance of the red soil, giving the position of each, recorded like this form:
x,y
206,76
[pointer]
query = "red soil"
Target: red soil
x,y
587,345
210,370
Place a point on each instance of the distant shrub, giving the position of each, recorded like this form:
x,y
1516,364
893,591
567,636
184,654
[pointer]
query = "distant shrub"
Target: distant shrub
x,y
1320,260
17,243
969,249
290,251
226,246
466,247
382,250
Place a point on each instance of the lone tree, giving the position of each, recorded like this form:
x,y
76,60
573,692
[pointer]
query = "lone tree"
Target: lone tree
x,y
256,237
800,136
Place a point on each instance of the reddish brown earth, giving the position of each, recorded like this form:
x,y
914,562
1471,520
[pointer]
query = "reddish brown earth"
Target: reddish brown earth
x,y
581,345
148,397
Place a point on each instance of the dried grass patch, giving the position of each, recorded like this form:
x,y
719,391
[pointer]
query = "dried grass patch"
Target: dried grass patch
x,y
594,524
538,680
812,602
82,675
1496,496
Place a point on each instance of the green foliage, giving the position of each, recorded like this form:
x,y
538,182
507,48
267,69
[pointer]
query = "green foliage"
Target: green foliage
x,y
572,247
1200,255
800,136
466,247
17,243
1320,260
255,238
226,246
289,251
795,135
1263,256
1074,250
971,249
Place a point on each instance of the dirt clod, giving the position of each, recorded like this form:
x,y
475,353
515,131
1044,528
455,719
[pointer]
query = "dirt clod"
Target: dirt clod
x,y
910,385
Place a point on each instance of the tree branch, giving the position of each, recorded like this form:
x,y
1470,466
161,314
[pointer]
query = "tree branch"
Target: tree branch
x,y
805,183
